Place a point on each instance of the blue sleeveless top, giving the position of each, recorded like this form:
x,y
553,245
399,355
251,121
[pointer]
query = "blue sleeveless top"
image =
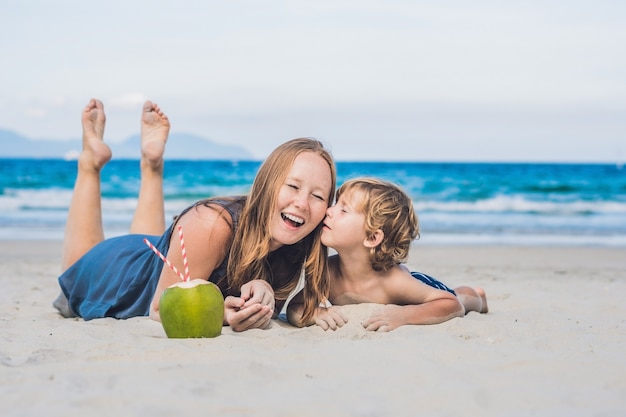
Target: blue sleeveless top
x,y
118,277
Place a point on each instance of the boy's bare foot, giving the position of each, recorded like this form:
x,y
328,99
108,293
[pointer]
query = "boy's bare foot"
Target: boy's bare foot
x,y
95,152
155,127
483,297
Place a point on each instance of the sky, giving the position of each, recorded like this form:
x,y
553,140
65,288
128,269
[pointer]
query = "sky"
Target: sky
x,y
385,80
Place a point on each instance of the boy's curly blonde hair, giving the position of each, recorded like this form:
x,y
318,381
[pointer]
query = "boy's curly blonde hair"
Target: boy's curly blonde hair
x,y
388,208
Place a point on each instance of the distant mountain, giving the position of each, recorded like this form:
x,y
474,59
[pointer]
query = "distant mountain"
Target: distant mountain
x,y
179,146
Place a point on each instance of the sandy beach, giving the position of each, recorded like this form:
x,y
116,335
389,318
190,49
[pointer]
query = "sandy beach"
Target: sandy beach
x,y
553,344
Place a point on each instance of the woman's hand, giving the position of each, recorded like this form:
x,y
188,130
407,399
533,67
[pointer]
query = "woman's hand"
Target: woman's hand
x,y
253,309
258,291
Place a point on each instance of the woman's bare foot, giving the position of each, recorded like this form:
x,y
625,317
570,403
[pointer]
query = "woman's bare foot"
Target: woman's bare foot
x,y
95,152
155,127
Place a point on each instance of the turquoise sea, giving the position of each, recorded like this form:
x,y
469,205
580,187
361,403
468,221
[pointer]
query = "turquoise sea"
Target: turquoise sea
x,y
457,203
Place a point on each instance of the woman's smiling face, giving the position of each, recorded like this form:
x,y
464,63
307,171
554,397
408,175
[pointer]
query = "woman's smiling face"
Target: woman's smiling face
x,y
302,200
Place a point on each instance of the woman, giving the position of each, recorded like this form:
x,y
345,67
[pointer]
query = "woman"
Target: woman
x,y
254,248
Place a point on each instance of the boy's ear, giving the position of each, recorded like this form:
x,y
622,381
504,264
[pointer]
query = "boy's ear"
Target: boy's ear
x,y
374,239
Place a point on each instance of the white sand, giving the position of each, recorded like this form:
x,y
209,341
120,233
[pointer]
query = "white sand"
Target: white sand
x,y
553,344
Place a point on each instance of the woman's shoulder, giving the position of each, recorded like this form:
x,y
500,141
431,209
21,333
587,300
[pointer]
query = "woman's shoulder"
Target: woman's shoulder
x,y
234,203
228,208
208,215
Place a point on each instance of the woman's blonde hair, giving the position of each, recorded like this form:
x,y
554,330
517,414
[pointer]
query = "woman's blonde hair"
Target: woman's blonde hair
x,y
250,256
388,208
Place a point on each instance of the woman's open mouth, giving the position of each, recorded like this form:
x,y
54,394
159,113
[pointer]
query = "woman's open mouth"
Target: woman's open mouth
x,y
294,221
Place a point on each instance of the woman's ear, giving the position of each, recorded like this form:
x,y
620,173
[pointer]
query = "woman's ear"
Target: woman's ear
x,y
374,239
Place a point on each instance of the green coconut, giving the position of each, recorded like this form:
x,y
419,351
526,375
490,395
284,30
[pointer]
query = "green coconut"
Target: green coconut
x,y
193,308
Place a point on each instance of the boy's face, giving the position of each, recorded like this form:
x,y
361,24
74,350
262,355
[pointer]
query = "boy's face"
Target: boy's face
x,y
344,225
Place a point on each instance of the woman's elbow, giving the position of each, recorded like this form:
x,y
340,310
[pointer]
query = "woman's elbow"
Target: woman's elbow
x,y
294,317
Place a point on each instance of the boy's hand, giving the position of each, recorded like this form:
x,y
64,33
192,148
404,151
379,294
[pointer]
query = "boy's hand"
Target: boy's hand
x,y
330,318
384,319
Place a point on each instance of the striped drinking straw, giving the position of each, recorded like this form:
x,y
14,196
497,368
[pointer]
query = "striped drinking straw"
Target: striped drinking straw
x,y
182,248
164,259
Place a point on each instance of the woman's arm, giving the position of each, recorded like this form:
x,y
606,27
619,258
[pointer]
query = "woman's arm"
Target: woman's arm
x,y
208,237
253,309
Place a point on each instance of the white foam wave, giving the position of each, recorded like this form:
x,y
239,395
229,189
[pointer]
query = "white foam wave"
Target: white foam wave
x,y
518,204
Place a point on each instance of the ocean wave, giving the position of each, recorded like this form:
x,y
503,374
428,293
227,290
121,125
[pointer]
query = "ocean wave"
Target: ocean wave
x,y
518,204
15,200
465,201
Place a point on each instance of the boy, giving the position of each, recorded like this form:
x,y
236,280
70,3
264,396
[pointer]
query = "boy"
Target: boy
x,y
371,228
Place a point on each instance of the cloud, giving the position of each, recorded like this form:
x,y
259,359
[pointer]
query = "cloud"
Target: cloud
x,y
36,112
453,72
59,101
128,101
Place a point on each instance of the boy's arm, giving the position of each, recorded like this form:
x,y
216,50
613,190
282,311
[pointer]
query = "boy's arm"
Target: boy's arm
x,y
413,302
391,316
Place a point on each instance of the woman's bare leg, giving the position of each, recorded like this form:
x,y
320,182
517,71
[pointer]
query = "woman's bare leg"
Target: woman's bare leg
x,y
149,215
83,229
473,299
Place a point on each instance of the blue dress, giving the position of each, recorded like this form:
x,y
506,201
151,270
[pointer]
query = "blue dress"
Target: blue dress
x,y
118,277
